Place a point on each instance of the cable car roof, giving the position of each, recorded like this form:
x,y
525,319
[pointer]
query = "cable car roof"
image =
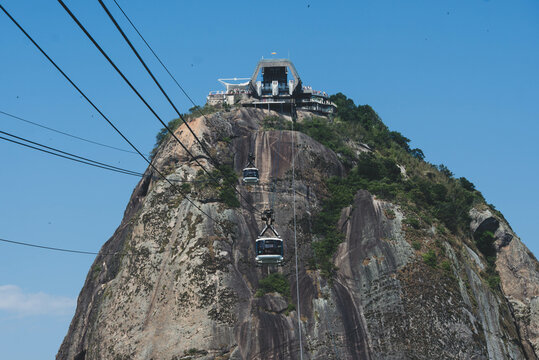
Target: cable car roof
x,y
269,238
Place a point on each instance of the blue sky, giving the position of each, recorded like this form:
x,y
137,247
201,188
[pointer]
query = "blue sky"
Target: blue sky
x,y
459,78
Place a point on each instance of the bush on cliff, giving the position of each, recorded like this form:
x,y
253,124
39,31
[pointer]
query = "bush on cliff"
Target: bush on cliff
x,y
274,283
219,185
174,124
431,190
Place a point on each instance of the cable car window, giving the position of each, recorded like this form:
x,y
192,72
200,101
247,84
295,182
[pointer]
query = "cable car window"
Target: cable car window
x,y
250,173
269,247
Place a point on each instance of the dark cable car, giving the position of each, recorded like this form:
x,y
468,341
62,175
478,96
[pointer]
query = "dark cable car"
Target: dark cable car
x,y
269,250
250,173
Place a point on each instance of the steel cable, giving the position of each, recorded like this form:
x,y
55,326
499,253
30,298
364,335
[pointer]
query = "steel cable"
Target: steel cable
x,y
142,98
86,160
66,134
100,112
295,238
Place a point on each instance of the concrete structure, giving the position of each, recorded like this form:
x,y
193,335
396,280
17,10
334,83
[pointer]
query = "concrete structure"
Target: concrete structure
x,y
269,87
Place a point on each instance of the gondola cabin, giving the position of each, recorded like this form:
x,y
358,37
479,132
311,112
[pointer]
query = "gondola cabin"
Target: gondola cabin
x,y
250,175
269,251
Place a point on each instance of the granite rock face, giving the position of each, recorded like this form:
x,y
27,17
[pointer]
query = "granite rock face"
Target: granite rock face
x,y
183,285
519,275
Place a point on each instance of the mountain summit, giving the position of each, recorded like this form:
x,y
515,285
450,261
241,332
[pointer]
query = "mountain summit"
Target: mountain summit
x,y
396,258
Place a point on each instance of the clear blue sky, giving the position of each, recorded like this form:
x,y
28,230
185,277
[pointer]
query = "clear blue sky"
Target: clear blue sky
x,y
459,78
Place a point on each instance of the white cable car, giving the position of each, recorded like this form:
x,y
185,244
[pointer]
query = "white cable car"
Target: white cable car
x,y
250,173
269,250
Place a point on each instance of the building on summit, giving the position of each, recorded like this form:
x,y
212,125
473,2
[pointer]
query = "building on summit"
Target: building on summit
x,y
270,88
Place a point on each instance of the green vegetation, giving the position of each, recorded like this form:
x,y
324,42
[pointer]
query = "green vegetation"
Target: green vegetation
x,y
446,266
390,214
428,194
290,307
174,124
493,279
195,352
185,188
163,135
224,191
278,283
96,270
329,135
430,258
229,179
274,283
413,222
485,244
275,123
430,190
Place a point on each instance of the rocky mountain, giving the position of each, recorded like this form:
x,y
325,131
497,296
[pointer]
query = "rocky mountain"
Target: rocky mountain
x,y
386,273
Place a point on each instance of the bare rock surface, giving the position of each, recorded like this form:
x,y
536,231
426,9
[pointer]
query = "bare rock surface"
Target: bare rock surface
x,y
171,283
519,275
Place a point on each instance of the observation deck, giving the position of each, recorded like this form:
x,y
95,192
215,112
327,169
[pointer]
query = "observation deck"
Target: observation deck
x,y
270,88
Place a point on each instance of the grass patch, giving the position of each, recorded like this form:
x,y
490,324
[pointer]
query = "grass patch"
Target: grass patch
x,y
274,283
430,258
446,266
413,222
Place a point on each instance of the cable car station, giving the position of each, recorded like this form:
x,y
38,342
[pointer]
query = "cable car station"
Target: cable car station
x,y
270,88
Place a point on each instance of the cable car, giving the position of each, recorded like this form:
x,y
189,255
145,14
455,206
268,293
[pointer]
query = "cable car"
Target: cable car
x,y
250,173
269,250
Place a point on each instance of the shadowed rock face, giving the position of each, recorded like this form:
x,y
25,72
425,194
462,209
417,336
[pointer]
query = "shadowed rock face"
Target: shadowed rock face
x,y
184,286
519,275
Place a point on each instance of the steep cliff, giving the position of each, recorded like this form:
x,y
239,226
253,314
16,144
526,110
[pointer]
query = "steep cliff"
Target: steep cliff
x,y
186,287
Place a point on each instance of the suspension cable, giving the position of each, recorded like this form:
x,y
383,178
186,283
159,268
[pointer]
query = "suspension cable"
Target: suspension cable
x,y
48,247
116,253
68,155
161,62
122,75
86,161
66,134
295,236
102,114
196,107
212,160
155,80
98,47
